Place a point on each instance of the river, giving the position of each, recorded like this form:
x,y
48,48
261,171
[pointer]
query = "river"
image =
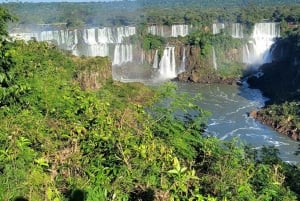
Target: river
x,y
229,106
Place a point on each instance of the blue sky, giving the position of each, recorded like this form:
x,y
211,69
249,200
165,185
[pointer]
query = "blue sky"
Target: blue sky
x,y
5,1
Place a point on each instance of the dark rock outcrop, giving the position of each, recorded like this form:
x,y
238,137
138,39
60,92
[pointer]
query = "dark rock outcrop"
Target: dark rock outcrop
x,y
280,81
286,128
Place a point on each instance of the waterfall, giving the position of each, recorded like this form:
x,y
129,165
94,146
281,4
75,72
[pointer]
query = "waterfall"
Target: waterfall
x,y
256,52
89,36
155,61
180,30
111,35
183,61
215,65
87,42
105,35
142,58
217,27
165,31
157,30
124,32
237,30
246,54
122,54
167,65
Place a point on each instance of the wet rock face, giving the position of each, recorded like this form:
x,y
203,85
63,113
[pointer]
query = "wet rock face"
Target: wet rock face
x,y
93,72
200,70
233,55
192,56
192,71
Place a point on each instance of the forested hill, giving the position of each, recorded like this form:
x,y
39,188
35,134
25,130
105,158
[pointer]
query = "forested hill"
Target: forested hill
x,y
155,11
215,3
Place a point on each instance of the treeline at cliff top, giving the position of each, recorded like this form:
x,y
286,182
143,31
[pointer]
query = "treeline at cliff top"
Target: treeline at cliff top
x,y
156,12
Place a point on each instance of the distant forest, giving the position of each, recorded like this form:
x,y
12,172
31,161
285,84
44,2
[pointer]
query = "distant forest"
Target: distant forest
x,y
155,12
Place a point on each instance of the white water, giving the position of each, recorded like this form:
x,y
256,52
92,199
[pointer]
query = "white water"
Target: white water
x,y
167,65
166,31
89,36
155,60
256,51
157,30
123,54
183,62
113,42
89,42
217,27
237,30
215,65
180,30
229,106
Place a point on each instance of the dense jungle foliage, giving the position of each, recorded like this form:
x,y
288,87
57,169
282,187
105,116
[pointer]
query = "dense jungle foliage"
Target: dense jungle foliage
x,y
63,139
194,12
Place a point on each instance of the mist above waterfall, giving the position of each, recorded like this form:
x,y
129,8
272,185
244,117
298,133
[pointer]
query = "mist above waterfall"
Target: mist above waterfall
x,y
256,51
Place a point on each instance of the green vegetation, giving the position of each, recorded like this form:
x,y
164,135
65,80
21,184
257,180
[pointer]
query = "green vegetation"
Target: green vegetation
x,y
64,139
151,42
227,51
198,13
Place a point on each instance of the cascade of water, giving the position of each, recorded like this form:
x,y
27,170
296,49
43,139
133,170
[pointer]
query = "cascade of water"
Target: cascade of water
x,y
105,35
183,61
237,30
180,30
246,53
122,54
88,42
215,65
167,65
155,60
92,50
156,30
24,36
63,36
89,36
46,36
217,27
124,32
72,38
261,41
142,58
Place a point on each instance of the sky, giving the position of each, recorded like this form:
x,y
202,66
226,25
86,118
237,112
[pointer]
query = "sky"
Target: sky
x,y
35,1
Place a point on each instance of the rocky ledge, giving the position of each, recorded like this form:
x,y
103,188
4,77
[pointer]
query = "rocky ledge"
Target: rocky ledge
x,y
286,128
206,78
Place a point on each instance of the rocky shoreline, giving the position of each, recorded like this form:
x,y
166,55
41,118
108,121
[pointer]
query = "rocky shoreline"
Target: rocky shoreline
x,y
286,128
206,79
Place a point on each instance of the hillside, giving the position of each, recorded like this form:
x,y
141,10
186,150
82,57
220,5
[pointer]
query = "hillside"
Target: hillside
x,y
70,132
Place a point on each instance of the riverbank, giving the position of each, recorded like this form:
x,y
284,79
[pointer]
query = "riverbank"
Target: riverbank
x,y
286,127
206,79
282,110
280,82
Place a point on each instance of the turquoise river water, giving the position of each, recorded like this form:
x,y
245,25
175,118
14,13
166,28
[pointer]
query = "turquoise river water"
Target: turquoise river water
x,y
229,106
